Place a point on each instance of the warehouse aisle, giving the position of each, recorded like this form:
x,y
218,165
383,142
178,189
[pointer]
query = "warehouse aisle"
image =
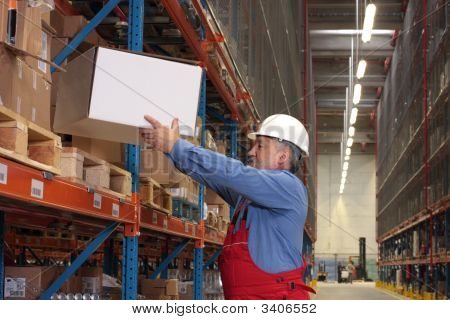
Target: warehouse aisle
x,y
355,291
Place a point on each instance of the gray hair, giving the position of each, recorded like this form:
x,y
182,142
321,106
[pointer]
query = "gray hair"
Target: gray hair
x,y
295,155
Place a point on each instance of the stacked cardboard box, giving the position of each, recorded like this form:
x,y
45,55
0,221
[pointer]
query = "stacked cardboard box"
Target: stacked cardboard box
x,y
27,283
218,207
25,81
186,189
160,289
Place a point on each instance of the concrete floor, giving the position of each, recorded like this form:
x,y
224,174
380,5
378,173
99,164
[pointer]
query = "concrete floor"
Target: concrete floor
x,y
355,291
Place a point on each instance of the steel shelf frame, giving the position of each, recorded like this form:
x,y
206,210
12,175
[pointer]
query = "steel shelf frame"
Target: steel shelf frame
x,y
62,196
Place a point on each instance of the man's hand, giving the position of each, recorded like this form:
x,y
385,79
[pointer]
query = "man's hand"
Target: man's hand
x,y
160,137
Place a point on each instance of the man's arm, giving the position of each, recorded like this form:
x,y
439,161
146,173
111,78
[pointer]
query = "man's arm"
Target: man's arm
x,y
267,188
227,194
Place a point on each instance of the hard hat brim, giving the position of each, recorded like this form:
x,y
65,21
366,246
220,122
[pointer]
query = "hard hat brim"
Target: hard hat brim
x,y
252,135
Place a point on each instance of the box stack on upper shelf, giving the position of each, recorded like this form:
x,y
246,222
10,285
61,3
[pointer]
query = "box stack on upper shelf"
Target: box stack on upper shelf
x,y
25,81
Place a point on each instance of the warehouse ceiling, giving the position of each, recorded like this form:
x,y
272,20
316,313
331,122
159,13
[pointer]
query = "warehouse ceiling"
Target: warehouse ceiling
x,y
332,26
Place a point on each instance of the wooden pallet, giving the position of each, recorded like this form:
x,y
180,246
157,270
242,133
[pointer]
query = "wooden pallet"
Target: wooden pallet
x,y
155,196
83,168
25,142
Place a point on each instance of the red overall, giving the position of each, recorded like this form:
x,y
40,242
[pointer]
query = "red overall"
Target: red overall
x,y
242,279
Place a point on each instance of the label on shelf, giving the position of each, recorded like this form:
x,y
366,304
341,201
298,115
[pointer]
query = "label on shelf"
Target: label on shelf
x,y
37,189
194,227
97,201
165,223
3,173
154,218
115,210
186,227
15,287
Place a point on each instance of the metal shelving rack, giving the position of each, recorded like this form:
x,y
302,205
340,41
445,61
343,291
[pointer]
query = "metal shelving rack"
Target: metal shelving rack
x,y
413,157
73,203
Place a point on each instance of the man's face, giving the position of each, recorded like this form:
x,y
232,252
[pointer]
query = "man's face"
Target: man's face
x,y
265,153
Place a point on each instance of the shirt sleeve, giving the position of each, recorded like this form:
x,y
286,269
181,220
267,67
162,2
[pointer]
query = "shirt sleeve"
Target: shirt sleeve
x,y
275,189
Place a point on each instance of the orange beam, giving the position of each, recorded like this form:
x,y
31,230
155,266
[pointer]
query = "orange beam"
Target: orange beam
x,y
214,38
62,195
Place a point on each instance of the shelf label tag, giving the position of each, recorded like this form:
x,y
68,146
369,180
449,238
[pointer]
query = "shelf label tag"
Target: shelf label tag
x,y
3,173
97,201
154,218
37,189
186,227
165,223
115,210
194,227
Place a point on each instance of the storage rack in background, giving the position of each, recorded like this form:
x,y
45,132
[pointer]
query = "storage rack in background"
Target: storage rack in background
x,y
117,232
413,157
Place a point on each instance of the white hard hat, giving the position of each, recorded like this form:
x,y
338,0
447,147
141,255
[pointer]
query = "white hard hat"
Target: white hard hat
x,y
284,127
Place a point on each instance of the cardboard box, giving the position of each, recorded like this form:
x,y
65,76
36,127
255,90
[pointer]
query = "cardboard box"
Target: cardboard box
x,y
156,165
66,26
57,45
109,151
91,279
8,68
28,28
24,90
186,290
212,197
222,210
3,19
72,285
31,95
159,287
27,283
118,89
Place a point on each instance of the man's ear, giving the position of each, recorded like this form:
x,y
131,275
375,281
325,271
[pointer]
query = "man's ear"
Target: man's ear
x,y
283,156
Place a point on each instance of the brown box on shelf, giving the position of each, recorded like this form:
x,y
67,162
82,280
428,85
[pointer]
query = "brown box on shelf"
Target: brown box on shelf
x,y
28,28
91,279
212,197
70,26
185,290
156,165
66,26
27,283
3,19
112,152
57,45
222,210
30,94
159,286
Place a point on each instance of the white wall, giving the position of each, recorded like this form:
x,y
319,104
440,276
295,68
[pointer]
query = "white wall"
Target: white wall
x,y
343,219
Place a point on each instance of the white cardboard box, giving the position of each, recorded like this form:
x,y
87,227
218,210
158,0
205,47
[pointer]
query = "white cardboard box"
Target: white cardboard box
x,y
105,94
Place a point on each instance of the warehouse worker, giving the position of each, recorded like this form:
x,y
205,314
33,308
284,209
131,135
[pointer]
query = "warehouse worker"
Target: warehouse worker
x,y
261,257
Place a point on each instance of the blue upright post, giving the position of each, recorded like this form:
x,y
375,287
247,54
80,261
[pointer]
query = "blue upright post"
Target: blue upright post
x,y
2,254
212,259
78,39
198,251
130,259
90,249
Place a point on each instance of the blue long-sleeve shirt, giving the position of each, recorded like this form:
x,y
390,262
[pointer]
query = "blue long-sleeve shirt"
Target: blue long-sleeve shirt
x,y
278,202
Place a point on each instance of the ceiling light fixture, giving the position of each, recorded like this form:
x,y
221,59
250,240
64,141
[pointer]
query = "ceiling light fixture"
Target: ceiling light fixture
x,y
361,69
369,19
357,94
